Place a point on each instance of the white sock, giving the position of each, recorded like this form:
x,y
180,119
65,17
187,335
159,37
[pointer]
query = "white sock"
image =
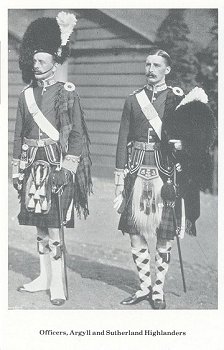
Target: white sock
x,y
56,287
42,282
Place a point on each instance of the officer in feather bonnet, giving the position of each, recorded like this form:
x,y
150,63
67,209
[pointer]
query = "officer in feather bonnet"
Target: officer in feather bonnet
x,y
51,163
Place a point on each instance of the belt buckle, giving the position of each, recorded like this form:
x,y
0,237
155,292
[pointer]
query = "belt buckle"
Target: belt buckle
x,y
150,146
40,143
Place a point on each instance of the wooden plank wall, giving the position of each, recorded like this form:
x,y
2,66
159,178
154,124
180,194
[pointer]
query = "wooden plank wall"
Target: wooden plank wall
x,y
103,82
103,79
15,86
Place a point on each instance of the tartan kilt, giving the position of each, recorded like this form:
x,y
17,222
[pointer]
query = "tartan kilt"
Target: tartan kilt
x,y
166,227
51,218
126,223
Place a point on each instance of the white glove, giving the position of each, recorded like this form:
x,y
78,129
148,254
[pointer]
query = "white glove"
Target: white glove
x,y
119,189
118,201
177,144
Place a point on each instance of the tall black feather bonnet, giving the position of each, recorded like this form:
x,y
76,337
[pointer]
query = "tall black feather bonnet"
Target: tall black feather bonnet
x,y
46,34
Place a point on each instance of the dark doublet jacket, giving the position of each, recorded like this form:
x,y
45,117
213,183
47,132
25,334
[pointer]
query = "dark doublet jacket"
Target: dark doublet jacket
x,y
134,127
51,103
60,104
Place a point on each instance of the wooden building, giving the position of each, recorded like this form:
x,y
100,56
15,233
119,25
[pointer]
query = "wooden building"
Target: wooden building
x,y
106,64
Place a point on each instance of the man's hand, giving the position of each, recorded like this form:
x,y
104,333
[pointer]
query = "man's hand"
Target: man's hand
x,y
15,182
177,144
70,163
119,189
15,173
119,203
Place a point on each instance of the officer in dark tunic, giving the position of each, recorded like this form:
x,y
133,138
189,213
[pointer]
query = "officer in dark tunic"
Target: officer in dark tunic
x,y
148,156
51,153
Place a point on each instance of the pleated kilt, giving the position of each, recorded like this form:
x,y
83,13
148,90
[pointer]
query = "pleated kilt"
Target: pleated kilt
x,y
126,223
161,224
51,218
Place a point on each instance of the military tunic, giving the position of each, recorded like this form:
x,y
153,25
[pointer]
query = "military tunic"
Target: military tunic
x,y
62,109
135,127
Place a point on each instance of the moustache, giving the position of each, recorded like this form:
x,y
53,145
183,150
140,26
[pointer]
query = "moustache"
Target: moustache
x,y
150,75
37,72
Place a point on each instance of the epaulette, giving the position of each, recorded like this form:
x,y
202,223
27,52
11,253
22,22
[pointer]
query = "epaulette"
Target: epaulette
x,y
136,91
69,86
176,90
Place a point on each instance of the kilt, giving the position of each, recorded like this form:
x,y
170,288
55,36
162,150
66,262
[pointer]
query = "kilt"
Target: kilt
x,y
164,225
51,218
126,223
167,225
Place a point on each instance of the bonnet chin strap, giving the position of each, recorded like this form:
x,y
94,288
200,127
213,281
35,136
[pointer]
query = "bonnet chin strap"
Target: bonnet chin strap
x,y
38,116
149,112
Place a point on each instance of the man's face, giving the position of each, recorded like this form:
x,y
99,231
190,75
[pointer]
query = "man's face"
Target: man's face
x,y
43,65
156,69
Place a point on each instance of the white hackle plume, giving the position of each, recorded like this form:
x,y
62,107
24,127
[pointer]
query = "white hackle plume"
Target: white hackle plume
x,y
66,22
196,94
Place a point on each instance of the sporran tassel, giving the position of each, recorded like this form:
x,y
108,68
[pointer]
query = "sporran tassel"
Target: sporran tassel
x,y
44,204
38,176
146,203
32,189
31,204
38,208
147,207
145,200
42,191
37,195
45,171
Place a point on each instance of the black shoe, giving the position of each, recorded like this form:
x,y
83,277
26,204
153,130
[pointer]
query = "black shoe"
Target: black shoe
x,y
159,304
22,289
57,302
133,299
